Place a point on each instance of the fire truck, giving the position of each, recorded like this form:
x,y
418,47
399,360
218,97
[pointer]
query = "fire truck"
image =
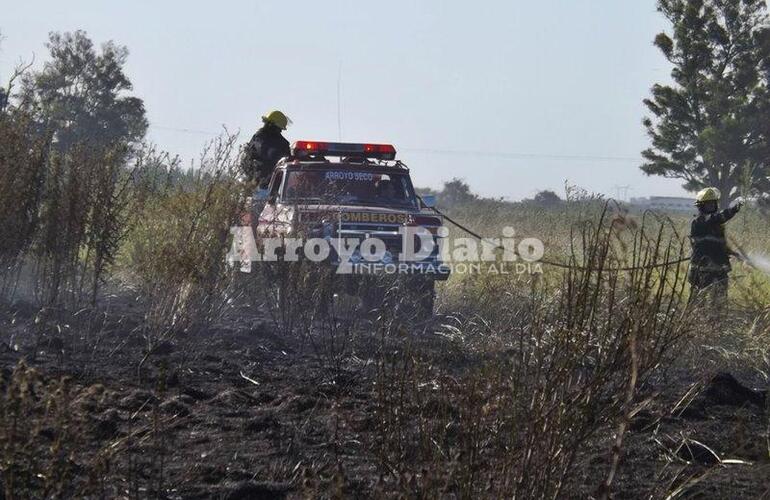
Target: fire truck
x,y
359,201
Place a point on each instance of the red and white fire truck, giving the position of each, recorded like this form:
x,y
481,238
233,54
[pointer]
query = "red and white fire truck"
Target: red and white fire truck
x,y
360,200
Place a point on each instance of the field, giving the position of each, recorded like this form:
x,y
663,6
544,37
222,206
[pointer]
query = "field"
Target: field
x,y
566,355
136,363
240,410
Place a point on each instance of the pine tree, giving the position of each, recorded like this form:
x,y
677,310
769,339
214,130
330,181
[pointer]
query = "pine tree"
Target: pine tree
x,y
710,127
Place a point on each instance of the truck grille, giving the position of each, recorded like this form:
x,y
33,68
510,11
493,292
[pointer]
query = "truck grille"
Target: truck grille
x,y
385,232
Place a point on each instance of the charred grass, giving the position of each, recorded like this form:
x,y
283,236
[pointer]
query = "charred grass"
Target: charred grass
x,y
137,364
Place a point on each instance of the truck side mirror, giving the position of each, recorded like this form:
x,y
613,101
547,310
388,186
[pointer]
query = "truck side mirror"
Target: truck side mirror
x,y
428,201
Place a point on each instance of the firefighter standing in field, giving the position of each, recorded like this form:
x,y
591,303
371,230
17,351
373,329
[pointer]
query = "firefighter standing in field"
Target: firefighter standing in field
x,y
710,263
265,148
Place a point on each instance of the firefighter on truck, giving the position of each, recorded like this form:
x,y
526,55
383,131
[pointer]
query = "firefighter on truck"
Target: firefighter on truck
x,y
357,193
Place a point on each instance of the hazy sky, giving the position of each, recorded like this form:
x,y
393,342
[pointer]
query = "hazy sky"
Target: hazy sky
x,y
513,96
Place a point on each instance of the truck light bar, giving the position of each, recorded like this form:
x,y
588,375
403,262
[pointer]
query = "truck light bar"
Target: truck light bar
x,y
302,149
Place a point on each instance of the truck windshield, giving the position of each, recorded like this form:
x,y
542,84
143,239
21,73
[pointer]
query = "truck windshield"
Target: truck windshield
x,y
349,187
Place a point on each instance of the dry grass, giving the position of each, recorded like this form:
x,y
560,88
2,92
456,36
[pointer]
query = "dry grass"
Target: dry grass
x,y
174,255
500,397
551,368
64,213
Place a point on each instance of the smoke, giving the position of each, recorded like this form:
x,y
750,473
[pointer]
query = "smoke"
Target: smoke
x,y
759,261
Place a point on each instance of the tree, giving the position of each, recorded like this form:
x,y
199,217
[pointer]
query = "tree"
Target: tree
x,y
457,192
80,94
710,127
547,198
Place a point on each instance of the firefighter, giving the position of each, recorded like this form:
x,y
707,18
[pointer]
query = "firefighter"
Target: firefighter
x,y
710,263
266,147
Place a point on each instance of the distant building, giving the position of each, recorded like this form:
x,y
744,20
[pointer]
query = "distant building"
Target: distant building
x,y
664,204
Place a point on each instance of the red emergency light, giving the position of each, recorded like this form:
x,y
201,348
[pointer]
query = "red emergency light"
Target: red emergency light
x,y
303,149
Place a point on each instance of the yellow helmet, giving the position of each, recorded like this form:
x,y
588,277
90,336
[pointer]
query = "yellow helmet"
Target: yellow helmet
x,y
708,194
277,118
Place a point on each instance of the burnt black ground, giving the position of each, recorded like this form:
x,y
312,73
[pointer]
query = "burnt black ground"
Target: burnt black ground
x,y
243,412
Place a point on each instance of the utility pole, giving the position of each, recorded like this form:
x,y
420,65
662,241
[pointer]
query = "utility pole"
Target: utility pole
x,y
621,192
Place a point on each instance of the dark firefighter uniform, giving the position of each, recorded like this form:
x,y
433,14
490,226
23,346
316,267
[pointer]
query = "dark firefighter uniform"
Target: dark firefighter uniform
x,y
265,148
710,264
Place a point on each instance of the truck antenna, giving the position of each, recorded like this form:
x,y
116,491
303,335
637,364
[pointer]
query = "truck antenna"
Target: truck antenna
x,y
339,100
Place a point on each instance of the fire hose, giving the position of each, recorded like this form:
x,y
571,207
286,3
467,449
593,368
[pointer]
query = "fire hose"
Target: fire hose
x,y
555,263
